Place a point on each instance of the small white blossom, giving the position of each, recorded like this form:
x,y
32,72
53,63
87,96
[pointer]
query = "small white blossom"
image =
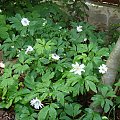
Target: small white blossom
x,y
79,28
103,69
60,27
18,55
36,103
25,22
12,46
78,69
45,22
85,39
2,65
29,49
55,56
0,10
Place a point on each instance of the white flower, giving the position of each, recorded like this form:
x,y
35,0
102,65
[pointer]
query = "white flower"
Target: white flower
x,y
55,56
45,22
29,49
103,69
77,69
60,27
36,103
85,39
25,22
12,46
0,10
18,55
2,65
79,28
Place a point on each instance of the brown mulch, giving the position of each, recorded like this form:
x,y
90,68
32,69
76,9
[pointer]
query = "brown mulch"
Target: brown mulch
x,y
7,114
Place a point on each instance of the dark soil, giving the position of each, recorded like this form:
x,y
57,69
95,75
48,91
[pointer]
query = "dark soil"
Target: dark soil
x,y
117,114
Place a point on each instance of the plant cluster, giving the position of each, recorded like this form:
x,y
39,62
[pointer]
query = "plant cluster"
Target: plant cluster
x,y
49,64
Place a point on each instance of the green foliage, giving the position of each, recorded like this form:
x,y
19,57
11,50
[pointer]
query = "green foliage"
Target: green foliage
x,y
91,115
3,27
49,59
103,99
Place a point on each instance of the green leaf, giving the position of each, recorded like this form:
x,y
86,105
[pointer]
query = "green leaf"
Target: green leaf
x,y
17,99
4,91
60,97
92,86
111,94
106,107
108,103
76,109
7,82
18,68
54,105
29,97
39,46
47,76
21,58
43,113
9,104
96,117
89,68
93,47
43,96
16,22
97,60
82,48
98,100
103,52
52,113
69,109
117,84
65,118
92,78
3,32
104,90
48,45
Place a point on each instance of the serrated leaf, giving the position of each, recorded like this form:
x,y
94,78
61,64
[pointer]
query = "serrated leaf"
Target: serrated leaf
x,y
43,113
47,76
9,104
82,48
43,96
21,58
76,109
92,86
111,94
69,109
96,117
60,97
4,91
103,52
29,97
52,113
7,82
104,91
54,105
106,107
92,78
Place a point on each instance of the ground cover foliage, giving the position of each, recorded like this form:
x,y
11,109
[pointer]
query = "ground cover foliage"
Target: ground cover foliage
x,y
52,59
